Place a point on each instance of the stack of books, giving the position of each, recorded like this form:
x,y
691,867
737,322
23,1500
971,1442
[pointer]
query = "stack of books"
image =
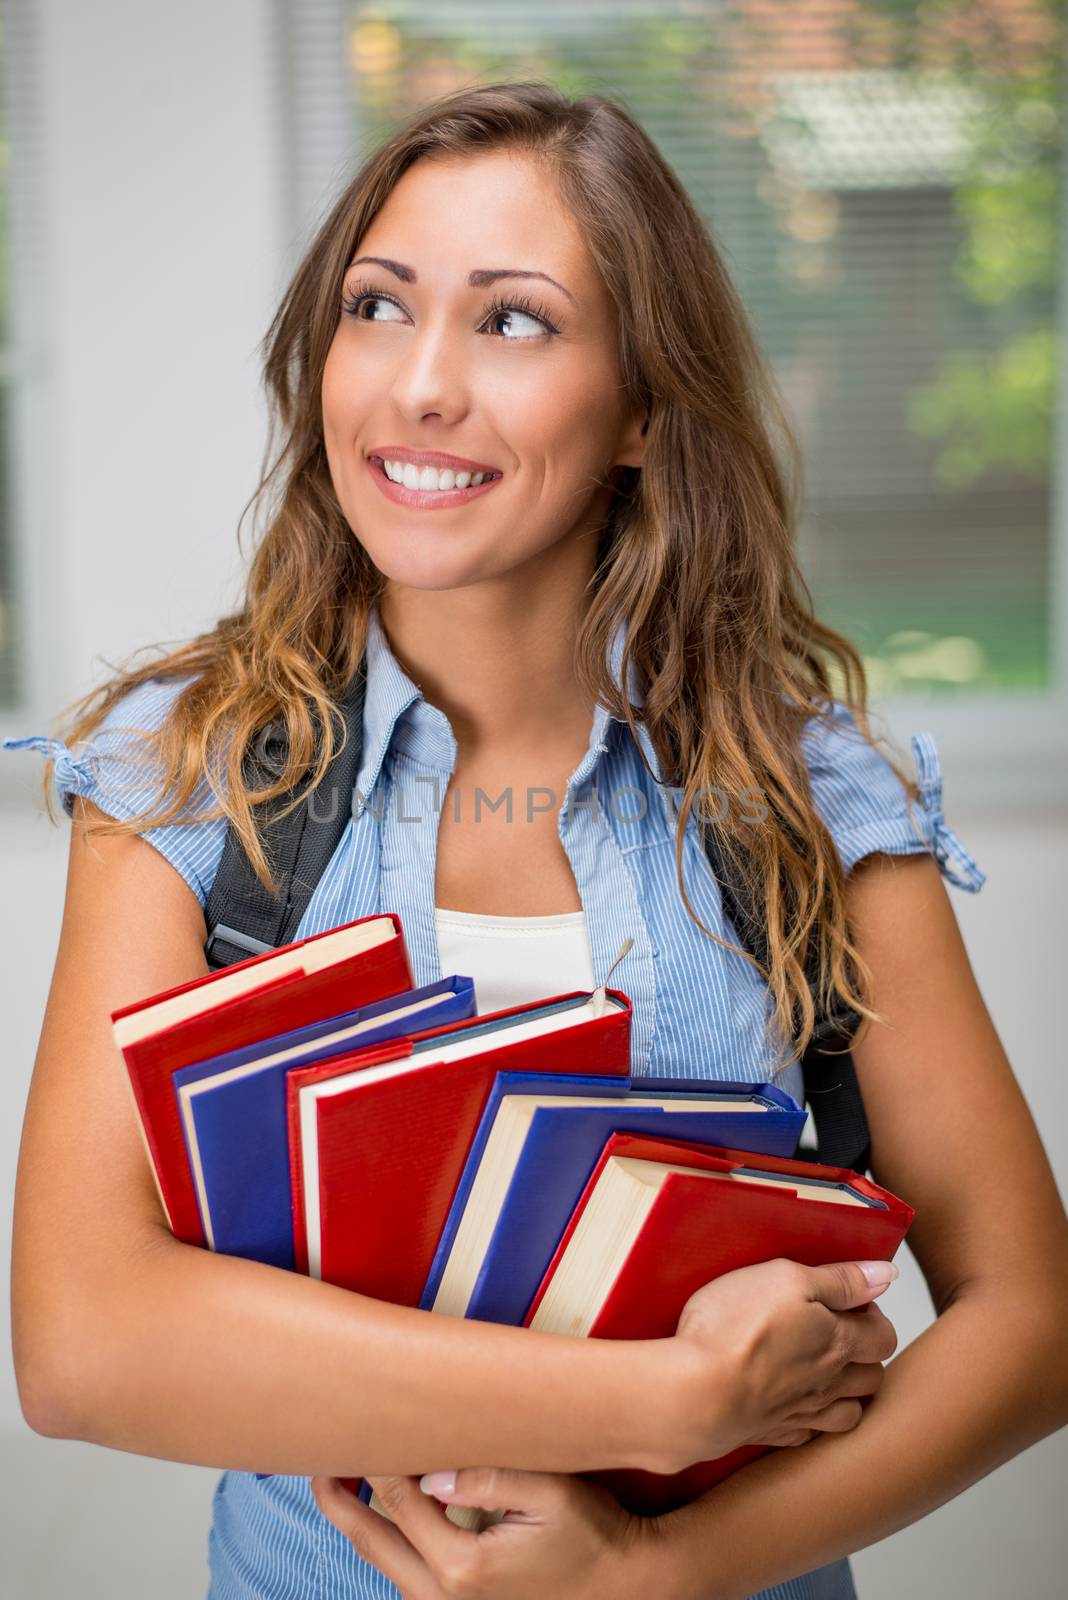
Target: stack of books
x,y
312,1109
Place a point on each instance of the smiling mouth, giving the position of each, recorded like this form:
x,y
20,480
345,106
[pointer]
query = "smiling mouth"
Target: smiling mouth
x,y
462,488
433,479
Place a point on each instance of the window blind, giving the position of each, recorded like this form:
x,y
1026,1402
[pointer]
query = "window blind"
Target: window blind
x,y
883,179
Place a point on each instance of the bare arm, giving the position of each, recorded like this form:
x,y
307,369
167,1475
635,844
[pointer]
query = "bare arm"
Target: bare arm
x,y
952,1134
126,1337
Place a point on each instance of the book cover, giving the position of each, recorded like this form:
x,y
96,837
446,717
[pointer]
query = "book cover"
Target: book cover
x,y
376,1153
319,976
562,1148
233,1110
696,1230
504,1084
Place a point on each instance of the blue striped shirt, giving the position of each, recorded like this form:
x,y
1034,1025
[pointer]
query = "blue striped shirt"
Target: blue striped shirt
x,y
698,1010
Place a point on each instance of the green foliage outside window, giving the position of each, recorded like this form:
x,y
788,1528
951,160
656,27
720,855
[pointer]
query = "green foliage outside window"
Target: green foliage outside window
x,y
884,180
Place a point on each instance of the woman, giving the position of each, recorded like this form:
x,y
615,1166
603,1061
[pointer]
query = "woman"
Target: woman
x,y
576,338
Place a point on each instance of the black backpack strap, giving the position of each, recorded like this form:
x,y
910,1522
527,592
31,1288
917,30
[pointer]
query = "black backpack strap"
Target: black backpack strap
x,y
830,1080
241,917
833,1093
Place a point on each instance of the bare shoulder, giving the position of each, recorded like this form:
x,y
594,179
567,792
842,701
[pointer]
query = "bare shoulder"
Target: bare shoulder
x,y
951,1130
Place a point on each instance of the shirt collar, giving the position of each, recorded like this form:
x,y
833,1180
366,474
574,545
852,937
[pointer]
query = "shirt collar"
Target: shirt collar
x,y
615,662
390,694
635,696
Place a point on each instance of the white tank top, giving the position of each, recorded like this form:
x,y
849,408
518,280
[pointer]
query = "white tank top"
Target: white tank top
x,y
515,959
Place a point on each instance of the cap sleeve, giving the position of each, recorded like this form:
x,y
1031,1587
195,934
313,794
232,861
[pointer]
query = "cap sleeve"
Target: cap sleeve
x,y
866,807
114,768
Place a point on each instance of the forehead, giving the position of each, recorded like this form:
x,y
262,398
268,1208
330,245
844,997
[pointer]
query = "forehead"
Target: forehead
x,y
447,215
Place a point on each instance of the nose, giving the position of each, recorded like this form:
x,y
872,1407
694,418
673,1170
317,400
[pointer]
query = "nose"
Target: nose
x,y
431,377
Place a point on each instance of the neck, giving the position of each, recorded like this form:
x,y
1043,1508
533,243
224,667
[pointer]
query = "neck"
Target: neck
x,y
498,663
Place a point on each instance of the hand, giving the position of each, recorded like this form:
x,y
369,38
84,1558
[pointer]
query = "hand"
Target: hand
x,y
778,1352
561,1535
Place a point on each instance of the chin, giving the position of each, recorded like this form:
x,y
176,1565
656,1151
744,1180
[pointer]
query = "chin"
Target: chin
x,y
428,555
425,569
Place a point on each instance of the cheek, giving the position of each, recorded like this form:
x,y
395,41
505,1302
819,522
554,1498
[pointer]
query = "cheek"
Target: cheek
x,y
570,423
336,394
346,384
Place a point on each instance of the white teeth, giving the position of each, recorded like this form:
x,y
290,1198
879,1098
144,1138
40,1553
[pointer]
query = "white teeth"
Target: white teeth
x,y
413,477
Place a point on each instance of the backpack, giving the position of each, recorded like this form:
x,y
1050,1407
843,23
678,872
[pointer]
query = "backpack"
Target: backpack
x,y
243,920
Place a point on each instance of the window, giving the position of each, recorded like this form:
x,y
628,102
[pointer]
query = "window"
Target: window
x,y
883,179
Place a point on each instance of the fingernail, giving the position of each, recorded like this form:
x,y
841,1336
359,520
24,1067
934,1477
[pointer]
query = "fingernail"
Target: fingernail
x,y
878,1273
438,1483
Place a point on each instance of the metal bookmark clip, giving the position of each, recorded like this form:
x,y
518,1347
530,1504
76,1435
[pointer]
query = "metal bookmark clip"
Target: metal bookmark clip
x,y
599,997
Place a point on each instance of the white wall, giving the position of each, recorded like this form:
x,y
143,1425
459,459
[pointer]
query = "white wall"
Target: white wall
x,y
159,245
159,256
164,247
160,236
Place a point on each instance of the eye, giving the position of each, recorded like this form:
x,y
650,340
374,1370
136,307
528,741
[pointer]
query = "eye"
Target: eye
x,y
526,311
515,312
362,296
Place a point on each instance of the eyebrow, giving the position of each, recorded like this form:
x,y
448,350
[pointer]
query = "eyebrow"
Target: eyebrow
x,y
481,278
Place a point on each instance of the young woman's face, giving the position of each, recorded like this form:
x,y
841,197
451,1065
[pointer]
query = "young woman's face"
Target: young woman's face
x,y
422,365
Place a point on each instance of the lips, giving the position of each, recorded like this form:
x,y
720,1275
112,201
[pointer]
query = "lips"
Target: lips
x,y
430,458
426,499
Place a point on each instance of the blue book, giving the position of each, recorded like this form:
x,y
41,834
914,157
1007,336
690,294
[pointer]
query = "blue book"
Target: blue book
x,y
536,1147
587,1086
233,1113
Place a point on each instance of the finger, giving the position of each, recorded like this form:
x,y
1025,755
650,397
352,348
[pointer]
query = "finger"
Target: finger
x,y
858,1378
869,1335
839,1417
843,1284
372,1537
497,1488
788,1437
443,1546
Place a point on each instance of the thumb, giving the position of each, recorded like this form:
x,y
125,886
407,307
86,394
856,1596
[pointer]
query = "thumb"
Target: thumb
x,y
843,1284
492,1488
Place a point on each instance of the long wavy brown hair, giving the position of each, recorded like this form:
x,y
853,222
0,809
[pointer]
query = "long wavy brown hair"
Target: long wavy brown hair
x,y
697,550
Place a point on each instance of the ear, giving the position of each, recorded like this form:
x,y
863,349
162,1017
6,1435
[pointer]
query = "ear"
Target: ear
x,y
630,450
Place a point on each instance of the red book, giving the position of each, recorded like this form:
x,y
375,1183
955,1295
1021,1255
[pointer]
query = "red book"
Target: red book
x,y
298,983
378,1139
663,1233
